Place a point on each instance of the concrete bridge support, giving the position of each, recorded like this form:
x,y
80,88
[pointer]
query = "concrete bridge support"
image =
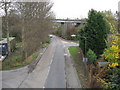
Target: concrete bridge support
x,y
64,27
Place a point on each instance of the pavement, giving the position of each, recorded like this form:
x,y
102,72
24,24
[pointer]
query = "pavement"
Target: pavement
x,y
53,70
71,73
13,78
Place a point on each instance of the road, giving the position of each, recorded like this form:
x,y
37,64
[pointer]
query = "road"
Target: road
x,y
56,76
54,70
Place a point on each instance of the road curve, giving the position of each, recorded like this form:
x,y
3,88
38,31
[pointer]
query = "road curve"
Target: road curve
x,y
50,71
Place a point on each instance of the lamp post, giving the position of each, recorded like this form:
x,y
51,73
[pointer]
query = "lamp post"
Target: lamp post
x,y
85,59
85,43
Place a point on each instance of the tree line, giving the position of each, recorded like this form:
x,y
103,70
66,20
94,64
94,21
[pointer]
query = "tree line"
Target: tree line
x,y
29,22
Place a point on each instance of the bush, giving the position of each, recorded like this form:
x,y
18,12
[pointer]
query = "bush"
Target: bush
x,y
115,80
91,56
58,32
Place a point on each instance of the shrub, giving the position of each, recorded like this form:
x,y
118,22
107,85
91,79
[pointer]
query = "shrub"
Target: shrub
x,y
112,53
91,56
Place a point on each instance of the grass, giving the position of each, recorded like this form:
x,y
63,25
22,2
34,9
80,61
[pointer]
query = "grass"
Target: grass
x,y
44,45
74,53
17,60
77,56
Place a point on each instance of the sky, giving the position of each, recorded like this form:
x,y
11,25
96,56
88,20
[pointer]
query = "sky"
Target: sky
x,y
79,8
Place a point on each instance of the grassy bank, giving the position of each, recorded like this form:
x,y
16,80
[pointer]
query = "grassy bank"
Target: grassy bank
x,y
17,60
81,68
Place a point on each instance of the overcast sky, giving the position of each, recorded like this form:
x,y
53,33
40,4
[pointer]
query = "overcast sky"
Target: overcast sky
x,y
80,8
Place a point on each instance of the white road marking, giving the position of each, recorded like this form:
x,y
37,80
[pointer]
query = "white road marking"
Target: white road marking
x,y
47,75
65,54
49,66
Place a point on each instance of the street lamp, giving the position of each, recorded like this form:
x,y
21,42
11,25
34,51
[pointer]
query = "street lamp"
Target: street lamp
x,y
85,59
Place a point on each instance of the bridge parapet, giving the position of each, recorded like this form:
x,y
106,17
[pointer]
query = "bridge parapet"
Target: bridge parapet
x,y
69,21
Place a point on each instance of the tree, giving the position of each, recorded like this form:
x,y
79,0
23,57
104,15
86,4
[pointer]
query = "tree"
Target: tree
x,y
95,32
112,21
14,25
36,25
6,6
31,22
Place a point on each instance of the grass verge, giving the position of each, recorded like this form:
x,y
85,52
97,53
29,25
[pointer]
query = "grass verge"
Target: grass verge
x,y
17,60
74,52
81,69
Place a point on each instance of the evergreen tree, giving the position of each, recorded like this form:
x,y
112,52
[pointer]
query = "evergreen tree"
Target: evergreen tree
x,y
95,33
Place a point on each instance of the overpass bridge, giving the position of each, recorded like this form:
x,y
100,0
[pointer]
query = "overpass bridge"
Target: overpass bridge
x,y
69,21
65,23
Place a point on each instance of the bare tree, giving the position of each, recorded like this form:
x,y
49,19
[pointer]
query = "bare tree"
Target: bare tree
x,y
6,7
36,24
